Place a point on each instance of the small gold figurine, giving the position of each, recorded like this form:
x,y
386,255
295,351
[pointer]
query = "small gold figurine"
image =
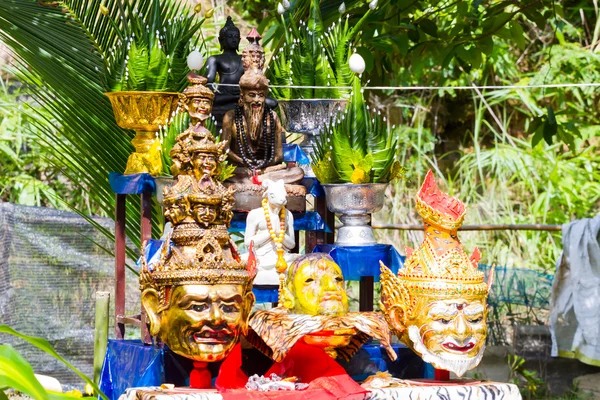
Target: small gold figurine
x,y
436,304
314,308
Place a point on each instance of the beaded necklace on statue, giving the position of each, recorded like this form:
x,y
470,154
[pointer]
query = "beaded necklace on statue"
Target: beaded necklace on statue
x,y
281,264
268,137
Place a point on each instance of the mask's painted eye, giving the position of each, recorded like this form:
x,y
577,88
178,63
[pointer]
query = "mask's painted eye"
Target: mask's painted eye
x,y
476,320
309,280
443,321
229,308
339,279
199,307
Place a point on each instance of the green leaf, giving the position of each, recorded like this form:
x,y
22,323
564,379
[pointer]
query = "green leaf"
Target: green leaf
x,y
534,15
414,35
137,66
16,373
401,41
158,69
465,54
429,27
43,345
538,135
517,34
486,45
550,126
495,22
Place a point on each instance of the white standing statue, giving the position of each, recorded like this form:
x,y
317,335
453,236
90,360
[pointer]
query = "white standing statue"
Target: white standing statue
x,y
271,228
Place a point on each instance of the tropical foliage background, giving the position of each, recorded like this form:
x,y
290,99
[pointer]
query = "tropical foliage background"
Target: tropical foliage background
x,y
514,155
59,139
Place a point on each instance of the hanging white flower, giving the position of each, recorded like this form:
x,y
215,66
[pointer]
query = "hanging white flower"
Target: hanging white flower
x,y
280,8
357,63
373,4
342,8
286,4
195,61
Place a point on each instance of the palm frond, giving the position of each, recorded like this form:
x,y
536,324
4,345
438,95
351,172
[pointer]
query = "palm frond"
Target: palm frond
x,y
356,142
62,60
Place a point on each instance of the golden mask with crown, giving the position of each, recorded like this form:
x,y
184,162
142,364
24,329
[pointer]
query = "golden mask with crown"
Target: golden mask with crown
x,y
436,304
198,296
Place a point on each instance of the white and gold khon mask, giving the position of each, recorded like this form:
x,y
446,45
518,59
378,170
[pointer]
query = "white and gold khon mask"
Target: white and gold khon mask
x,y
436,304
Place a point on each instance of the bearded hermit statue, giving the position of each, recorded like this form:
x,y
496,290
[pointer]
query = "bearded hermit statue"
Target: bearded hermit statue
x,y
253,130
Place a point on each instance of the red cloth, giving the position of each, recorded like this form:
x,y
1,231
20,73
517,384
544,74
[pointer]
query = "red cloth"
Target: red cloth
x,y
200,376
326,378
231,375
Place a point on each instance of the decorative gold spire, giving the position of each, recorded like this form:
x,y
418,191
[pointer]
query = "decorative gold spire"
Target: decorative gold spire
x,y
204,142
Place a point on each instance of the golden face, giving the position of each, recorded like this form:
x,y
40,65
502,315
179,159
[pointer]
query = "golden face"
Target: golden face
x,y
202,322
205,163
254,98
450,333
176,212
199,108
456,326
317,288
204,214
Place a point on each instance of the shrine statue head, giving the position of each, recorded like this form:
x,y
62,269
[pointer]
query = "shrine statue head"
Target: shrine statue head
x,y
253,87
275,192
205,154
229,36
197,99
253,56
315,286
436,304
199,307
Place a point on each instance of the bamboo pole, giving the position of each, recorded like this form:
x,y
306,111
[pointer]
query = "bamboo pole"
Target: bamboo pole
x,y
100,332
500,227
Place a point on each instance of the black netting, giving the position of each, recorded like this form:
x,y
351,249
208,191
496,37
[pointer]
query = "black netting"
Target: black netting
x,y
50,270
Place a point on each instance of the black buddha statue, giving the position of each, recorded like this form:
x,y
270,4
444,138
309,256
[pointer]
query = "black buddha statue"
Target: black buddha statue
x,y
229,66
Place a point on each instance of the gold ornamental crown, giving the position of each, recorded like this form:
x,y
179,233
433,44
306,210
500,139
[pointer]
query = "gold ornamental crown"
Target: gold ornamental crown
x,y
203,141
437,208
440,267
197,88
212,264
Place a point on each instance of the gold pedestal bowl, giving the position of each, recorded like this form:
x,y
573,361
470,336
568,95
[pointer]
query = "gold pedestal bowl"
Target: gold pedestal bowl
x,y
143,112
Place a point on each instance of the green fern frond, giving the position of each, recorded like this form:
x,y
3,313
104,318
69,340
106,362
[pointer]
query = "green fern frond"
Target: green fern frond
x,y
357,147
137,67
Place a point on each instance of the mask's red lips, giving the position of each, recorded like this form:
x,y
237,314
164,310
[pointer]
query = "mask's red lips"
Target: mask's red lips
x,y
455,347
211,336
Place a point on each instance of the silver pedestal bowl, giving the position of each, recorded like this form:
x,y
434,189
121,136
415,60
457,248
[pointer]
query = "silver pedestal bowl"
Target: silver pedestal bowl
x,y
355,204
306,117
